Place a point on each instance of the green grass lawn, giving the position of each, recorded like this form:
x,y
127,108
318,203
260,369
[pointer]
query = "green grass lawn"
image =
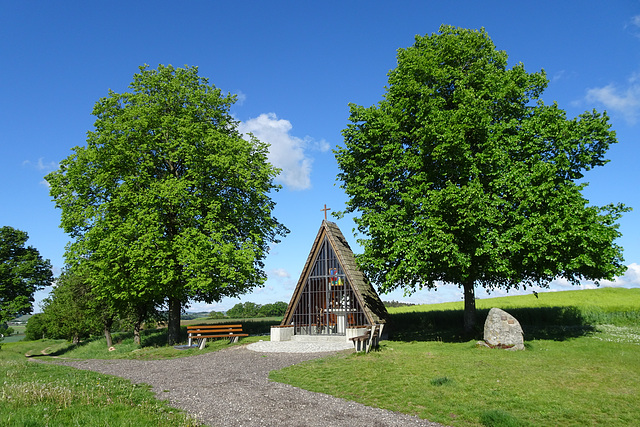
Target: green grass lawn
x,y
583,381
36,394
585,378
153,347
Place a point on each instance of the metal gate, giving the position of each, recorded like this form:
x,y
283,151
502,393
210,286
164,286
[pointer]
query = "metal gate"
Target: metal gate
x,y
328,304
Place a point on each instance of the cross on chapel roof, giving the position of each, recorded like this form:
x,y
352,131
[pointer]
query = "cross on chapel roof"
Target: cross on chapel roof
x,y
325,211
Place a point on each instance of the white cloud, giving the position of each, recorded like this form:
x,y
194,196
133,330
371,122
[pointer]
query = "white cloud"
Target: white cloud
x,y
283,282
40,165
198,307
625,101
630,279
280,272
240,98
286,152
635,24
560,75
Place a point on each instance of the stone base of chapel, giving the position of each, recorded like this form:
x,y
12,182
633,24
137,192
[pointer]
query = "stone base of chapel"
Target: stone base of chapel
x,y
286,333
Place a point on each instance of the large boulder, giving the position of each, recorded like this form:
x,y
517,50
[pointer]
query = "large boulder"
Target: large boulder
x,y
502,330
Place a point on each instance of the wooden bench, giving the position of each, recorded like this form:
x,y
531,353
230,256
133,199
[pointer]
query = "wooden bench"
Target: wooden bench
x,y
202,332
368,340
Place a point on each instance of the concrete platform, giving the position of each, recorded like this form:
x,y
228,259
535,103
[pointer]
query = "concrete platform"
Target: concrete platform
x,y
319,338
299,346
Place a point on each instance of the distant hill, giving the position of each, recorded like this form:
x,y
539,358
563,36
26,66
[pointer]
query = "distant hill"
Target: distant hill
x,y
24,318
194,315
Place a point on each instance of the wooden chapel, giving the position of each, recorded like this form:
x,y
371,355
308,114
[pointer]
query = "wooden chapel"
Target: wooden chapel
x,y
333,298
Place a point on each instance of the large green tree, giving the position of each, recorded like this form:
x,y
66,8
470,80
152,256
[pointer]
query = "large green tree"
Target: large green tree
x,y
167,202
22,272
462,175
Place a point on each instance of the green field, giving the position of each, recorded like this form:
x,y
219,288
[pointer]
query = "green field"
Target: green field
x,y
12,338
551,315
605,299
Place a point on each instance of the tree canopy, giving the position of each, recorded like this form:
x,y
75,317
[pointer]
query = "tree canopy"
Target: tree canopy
x,y
463,175
22,272
70,311
166,202
251,309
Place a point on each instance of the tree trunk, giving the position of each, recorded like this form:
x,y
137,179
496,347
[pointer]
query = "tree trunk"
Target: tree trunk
x,y
469,308
107,335
76,339
136,332
173,328
107,331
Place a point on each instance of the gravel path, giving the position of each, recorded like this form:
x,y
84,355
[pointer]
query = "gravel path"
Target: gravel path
x,y
231,388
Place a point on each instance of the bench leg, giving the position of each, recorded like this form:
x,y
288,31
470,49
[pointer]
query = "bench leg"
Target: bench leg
x,y
369,345
233,339
189,343
372,342
203,342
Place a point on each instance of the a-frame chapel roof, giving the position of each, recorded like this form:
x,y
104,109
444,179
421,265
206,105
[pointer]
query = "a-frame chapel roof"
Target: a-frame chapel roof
x,y
367,296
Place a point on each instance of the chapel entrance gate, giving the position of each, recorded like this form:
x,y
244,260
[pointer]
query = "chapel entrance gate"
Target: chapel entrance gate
x,y
328,304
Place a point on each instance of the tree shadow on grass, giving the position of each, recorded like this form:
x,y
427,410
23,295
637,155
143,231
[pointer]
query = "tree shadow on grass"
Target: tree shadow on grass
x,y
60,351
148,338
548,323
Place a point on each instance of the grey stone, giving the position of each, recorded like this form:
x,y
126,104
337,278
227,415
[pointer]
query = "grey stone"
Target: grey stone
x,y
502,330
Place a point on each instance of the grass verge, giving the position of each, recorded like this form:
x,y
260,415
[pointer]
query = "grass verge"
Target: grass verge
x,y
35,394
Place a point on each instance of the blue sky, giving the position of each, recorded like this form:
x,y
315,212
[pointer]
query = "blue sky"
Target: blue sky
x,y
295,66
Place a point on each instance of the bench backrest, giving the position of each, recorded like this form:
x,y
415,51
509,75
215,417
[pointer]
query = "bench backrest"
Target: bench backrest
x,y
214,328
